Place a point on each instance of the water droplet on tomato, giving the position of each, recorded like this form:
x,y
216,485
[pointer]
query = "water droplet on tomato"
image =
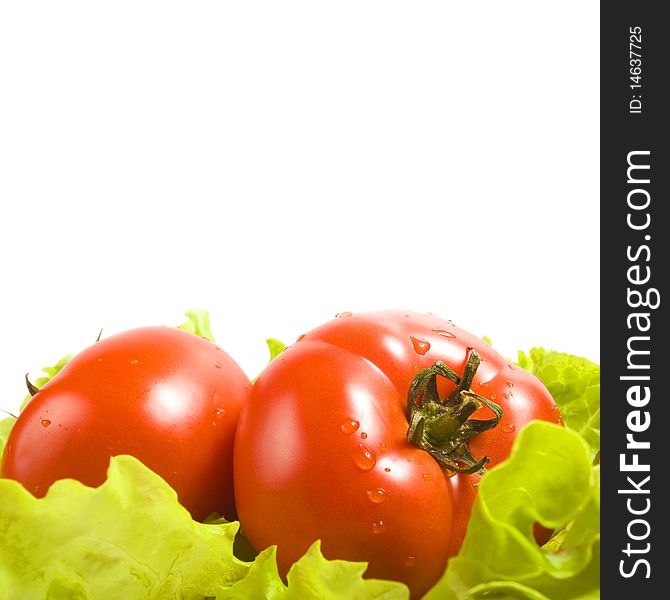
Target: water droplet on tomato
x,y
378,527
511,366
363,435
426,476
387,470
300,337
509,384
349,425
45,422
218,364
364,457
377,496
420,346
135,361
100,360
509,428
444,333
410,561
346,313
220,413
383,447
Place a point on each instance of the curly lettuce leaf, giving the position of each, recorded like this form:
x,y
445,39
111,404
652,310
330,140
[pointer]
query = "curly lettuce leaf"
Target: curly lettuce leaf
x,y
5,427
549,478
574,383
198,323
313,577
275,347
128,538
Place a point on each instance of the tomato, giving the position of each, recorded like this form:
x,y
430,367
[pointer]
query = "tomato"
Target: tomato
x,y
322,449
166,396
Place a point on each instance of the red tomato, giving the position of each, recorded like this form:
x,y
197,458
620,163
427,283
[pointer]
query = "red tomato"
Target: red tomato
x,y
166,396
322,452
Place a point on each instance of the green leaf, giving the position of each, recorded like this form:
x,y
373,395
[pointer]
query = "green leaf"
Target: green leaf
x,y
198,323
574,383
548,478
5,427
128,538
311,578
275,347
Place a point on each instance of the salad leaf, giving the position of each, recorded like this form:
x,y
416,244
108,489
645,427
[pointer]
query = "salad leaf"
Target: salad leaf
x,y
311,578
548,478
574,383
198,323
5,427
128,538
275,347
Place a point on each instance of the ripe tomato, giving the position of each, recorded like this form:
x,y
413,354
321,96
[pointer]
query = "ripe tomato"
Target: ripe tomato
x,y
322,447
166,396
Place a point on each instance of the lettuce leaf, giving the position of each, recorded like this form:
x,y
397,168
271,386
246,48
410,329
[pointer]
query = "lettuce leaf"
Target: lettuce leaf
x,y
311,578
275,347
5,427
128,538
574,383
549,478
198,323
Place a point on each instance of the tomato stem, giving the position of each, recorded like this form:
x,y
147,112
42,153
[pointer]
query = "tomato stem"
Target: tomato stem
x,y
444,429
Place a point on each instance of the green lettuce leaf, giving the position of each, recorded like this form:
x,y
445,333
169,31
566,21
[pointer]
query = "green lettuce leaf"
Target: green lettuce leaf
x,y
5,427
574,382
313,577
198,323
128,538
275,347
549,478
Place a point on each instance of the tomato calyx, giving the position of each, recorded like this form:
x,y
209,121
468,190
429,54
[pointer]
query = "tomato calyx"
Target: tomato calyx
x,y
32,388
443,428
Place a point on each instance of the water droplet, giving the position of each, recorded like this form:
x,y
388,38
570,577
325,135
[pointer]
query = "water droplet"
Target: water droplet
x,y
364,457
135,361
410,561
378,527
220,413
509,428
349,425
45,422
444,333
493,396
511,366
300,337
377,496
100,360
218,364
420,346
383,447
426,476
387,470
363,435
346,313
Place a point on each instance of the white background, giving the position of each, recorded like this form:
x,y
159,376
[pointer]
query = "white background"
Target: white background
x,y
280,162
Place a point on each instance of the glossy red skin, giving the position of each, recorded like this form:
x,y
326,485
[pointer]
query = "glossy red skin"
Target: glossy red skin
x,y
296,472
166,396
